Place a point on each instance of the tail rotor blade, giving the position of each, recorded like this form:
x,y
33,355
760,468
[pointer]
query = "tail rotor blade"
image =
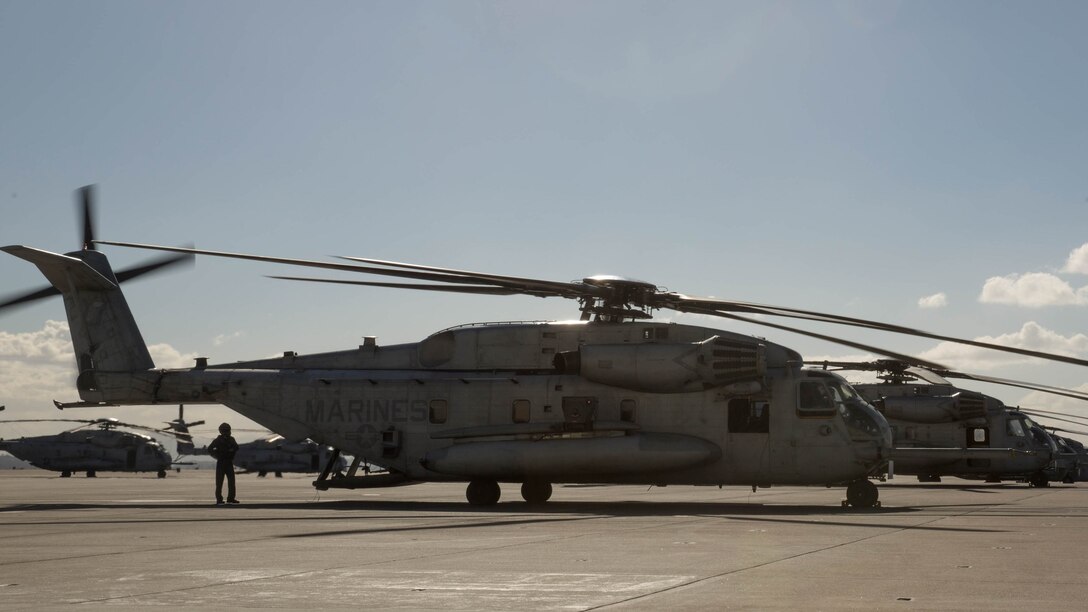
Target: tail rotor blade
x,y
152,266
86,202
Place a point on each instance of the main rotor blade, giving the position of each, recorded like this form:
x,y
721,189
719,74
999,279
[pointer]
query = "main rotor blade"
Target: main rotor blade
x,y
1020,384
842,341
1051,414
300,262
1072,431
88,421
684,303
455,289
575,289
673,301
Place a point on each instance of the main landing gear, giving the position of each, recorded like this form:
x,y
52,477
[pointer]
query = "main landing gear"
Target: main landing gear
x,y
483,492
161,474
862,494
536,491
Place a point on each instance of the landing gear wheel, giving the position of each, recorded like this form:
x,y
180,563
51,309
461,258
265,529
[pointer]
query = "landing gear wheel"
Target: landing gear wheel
x,y
279,474
66,474
162,474
483,492
536,491
91,474
262,474
862,494
1039,479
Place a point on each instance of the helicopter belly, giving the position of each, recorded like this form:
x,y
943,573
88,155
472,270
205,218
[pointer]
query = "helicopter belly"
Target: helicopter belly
x,y
616,456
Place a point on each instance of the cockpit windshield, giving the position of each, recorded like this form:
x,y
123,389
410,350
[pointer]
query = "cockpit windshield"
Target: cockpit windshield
x,y
854,411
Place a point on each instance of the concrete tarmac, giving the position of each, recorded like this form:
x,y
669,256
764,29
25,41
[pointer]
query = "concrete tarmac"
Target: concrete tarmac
x,y
135,540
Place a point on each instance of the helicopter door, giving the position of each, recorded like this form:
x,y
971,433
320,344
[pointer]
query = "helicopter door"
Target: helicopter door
x,y
130,458
747,445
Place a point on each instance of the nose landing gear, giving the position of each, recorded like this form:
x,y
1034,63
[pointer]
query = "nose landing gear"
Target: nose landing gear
x,y
862,494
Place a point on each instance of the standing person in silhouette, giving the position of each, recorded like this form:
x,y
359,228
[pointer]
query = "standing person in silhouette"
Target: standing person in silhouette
x,y
223,449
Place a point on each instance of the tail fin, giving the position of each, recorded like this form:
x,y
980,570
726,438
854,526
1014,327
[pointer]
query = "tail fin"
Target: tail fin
x,y
104,333
180,428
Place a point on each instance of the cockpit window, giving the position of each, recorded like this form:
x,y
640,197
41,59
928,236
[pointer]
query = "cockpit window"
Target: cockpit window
x,y
814,399
1015,429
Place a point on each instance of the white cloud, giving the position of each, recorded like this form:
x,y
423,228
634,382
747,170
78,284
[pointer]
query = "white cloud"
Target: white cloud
x,y
39,366
166,356
1033,290
222,339
52,344
1077,263
937,300
1030,336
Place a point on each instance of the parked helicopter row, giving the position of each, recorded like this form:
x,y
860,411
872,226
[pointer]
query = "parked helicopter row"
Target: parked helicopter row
x,y
109,445
612,398
270,453
926,411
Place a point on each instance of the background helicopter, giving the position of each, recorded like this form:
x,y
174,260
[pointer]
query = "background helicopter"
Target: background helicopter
x,y
97,445
271,453
612,398
925,410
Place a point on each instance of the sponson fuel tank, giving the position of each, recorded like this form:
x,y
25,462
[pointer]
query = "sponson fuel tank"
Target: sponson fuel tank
x,y
639,453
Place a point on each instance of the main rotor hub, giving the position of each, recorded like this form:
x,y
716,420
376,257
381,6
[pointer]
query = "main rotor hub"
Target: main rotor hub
x,y
618,299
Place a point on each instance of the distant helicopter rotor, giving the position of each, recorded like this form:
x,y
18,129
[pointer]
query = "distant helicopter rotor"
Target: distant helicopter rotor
x,y
898,371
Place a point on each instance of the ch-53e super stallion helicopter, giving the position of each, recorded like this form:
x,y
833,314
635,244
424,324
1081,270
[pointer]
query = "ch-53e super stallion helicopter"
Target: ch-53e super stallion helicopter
x,y
977,431
97,445
612,398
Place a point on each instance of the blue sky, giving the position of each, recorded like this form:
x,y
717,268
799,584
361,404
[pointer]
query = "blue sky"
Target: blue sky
x,y
851,157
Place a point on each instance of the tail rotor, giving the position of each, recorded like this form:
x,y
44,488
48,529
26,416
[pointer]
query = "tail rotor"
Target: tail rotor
x,y
85,210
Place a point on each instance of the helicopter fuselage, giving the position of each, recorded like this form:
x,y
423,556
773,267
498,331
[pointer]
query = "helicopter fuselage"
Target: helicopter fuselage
x,y
91,451
644,402
934,416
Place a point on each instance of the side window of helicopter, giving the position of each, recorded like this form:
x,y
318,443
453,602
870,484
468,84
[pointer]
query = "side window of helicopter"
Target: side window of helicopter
x,y
627,410
439,411
746,416
814,400
978,436
655,333
521,411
